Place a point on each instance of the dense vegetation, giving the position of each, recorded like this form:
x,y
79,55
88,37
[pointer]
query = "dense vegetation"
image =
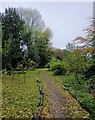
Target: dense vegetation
x,y
78,65
26,45
20,39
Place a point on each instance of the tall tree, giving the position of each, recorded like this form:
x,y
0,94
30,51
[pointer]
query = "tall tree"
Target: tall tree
x,y
87,43
38,45
42,44
32,17
12,28
34,20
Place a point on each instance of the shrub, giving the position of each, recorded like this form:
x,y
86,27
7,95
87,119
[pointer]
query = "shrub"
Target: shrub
x,y
19,67
49,64
31,64
89,72
58,68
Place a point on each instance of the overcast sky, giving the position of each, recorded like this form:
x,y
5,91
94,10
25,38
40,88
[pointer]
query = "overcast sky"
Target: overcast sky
x,y
66,19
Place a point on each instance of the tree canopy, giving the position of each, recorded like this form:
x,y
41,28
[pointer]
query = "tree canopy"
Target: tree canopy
x,y
24,37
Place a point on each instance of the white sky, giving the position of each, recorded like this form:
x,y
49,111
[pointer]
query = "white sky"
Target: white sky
x,y
66,19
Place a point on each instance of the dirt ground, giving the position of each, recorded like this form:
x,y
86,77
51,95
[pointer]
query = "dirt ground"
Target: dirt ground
x,y
58,102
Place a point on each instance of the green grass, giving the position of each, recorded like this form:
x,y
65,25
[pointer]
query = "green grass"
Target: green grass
x,y
20,96
80,92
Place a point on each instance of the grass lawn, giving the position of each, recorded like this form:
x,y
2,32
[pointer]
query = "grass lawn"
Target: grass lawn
x,y
20,96
80,92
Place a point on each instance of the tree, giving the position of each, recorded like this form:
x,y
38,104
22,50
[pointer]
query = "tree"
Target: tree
x,y
24,39
42,43
32,17
75,62
12,29
39,42
59,54
87,43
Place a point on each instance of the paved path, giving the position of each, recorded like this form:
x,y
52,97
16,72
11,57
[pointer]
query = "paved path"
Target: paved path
x,y
60,104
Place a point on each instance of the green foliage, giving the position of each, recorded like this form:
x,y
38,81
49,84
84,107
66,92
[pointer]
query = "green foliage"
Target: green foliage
x,y
89,72
57,67
23,39
87,45
31,64
79,92
41,45
48,65
19,67
77,61
12,29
